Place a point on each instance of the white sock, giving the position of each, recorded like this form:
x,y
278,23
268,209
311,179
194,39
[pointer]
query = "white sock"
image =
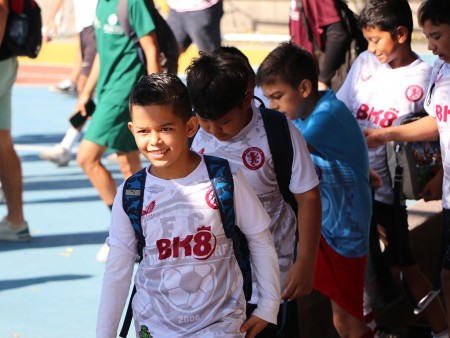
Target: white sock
x,y
443,334
72,136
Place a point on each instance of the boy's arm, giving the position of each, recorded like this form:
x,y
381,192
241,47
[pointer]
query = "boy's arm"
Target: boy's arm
x,y
89,87
265,266
300,278
423,129
118,270
149,44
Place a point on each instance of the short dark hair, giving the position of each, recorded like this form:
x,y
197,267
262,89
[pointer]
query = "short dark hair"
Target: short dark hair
x,y
288,63
387,15
217,83
437,11
162,89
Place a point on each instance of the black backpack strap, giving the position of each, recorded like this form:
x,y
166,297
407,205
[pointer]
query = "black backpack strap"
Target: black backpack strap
x,y
222,180
280,144
132,201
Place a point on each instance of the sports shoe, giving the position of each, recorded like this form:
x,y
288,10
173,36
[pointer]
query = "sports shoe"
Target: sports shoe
x,y
66,86
7,233
57,154
102,254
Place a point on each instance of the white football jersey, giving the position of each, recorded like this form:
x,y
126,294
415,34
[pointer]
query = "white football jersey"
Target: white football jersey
x,y
377,95
189,280
437,104
249,151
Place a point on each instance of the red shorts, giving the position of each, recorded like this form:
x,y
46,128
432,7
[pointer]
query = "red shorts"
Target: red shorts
x,y
341,279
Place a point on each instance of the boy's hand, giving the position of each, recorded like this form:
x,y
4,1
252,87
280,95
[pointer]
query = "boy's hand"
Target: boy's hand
x,y
375,179
375,137
433,189
299,281
253,326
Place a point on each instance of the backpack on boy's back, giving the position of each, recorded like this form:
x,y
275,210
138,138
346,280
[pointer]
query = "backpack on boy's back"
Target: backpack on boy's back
x,y
23,36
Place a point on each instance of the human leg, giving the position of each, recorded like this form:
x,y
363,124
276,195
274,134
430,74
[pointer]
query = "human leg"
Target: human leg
x,y
403,266
204,27
89,159
177,22
348,326
129,163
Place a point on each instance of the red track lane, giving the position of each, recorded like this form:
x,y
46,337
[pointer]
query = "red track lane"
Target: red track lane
x,y
41,74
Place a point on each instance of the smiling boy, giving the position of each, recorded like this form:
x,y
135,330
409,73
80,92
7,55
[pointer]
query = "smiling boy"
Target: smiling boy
x,y
188,282
435,21
385,83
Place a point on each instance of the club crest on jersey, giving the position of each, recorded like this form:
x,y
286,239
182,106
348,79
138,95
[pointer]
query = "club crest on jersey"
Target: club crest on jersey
x,y
149,209
210,199
253,158
414,93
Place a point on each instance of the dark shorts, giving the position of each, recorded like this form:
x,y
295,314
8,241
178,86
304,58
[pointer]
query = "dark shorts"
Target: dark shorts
x,y
200,27
398,251
109,128
291,321
446,240
88,45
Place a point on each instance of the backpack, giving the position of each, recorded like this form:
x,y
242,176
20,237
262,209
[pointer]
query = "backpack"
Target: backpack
x,y
222,181
412,164
23,36
303,34
167,43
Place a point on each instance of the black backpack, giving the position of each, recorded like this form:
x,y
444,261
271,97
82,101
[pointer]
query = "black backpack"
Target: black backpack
x,y
23,36
168,45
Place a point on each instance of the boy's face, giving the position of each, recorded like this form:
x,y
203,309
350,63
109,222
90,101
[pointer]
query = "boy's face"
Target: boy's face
x,y
229,125
438,39
162,137
382,45
285,98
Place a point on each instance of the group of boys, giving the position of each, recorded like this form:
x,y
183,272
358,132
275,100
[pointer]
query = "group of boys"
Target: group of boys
x,y
188,282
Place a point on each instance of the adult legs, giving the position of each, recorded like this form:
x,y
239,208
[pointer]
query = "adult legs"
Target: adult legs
x,y
348,326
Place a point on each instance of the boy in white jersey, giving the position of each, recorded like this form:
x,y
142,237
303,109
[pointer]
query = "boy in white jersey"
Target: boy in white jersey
x,y
288,78
220,88
433,16
189,282
385,83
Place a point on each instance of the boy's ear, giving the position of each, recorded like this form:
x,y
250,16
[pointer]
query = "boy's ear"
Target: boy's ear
x,y
401,33
192,126
130,126
248,99
305,88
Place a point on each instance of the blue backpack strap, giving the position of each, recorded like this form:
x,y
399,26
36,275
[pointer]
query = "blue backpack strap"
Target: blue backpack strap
x,y
222,181
280,144
132,201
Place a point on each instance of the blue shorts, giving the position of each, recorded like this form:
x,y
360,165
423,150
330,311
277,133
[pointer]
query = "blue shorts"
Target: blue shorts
x,y
200,27
8,71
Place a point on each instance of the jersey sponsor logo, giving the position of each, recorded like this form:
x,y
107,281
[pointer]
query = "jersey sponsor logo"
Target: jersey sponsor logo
x,y
414,93
383,118
365,77
442,113
200,245
149,209
253,158
210,199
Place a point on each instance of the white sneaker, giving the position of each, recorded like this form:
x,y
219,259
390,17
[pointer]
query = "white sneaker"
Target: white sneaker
x,y
66,86
57,154
9,234
102,254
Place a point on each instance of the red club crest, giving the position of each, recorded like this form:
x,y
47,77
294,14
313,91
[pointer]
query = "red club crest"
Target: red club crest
x,y
253,158
414,93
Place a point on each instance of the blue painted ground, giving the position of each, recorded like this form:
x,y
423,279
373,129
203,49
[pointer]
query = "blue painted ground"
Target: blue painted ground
x,y
50,287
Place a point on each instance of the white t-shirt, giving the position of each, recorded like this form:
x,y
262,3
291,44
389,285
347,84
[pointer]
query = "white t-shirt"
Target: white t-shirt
x,y
189,281
249,150
84,13
377,95
190,5
437,105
